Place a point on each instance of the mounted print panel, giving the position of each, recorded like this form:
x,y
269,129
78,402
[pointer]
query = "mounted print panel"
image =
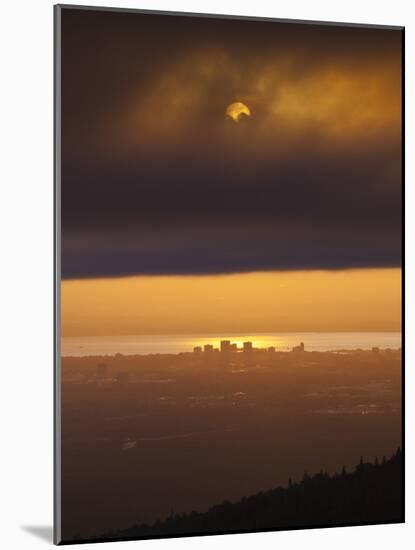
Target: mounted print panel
x,y
228,252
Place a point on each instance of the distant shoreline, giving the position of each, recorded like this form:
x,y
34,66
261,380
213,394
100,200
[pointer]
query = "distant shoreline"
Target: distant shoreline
x,y
262,350
185,343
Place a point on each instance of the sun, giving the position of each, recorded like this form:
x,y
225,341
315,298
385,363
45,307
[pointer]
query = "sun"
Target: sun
x,y
237,110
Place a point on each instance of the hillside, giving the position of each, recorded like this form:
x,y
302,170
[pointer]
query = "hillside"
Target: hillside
x,y
372,493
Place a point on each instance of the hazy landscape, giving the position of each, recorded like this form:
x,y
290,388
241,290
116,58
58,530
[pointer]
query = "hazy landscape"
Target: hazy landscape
x,y
147,436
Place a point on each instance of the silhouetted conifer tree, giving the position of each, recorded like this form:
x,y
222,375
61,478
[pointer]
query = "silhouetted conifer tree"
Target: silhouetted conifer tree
x,y
365,495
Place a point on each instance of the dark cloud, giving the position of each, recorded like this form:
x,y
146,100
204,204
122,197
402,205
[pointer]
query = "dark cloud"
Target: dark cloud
x,y
155,180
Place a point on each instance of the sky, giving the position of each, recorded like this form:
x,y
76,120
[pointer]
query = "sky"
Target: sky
x,y
345,300
161,188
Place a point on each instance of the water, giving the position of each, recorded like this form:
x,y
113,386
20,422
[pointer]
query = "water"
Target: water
x,y
176,343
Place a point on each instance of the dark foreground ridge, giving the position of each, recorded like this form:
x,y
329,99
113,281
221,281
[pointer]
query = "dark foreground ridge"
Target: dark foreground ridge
x,y
372,493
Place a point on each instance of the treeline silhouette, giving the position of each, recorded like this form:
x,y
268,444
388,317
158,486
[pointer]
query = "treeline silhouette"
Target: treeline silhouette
x,y
372,493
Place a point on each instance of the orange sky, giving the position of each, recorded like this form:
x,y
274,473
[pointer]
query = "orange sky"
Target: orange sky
x,y
355,300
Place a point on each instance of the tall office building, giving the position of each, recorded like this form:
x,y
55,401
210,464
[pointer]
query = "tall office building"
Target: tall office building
x,y
299,348
247,347
225,346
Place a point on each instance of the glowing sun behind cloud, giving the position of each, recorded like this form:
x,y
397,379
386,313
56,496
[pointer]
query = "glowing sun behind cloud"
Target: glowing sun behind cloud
x,y
237,110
